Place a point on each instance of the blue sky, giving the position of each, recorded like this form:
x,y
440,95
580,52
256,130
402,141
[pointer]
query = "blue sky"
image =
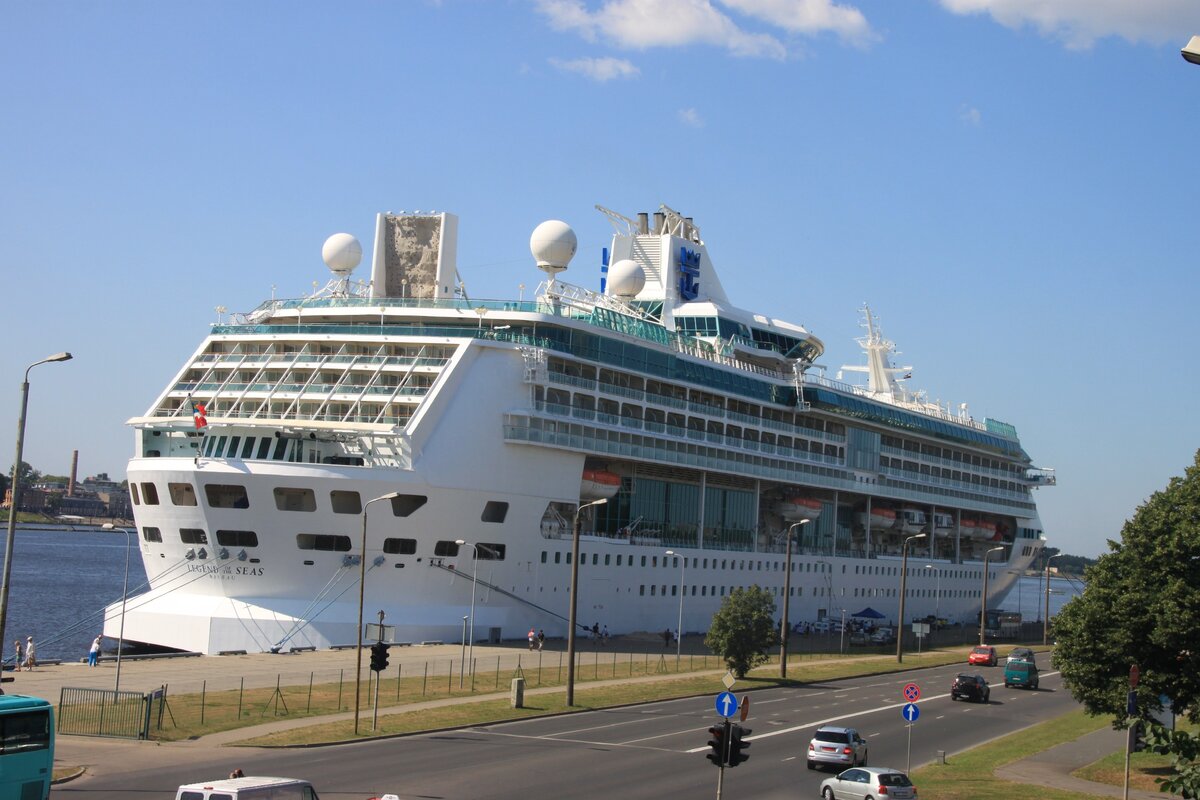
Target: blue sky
x,y
1010,184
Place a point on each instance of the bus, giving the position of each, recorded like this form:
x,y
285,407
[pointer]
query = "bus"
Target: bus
x,y
26,747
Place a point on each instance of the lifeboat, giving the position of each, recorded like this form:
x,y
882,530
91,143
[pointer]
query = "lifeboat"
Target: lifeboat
x,y
988,532
883,519
598,484
794,509
973,529
943,522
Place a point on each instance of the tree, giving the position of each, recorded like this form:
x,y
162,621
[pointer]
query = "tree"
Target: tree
x,y
1141,605
744,629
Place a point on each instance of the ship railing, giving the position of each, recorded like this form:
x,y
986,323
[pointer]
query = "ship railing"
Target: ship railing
x,y
811,379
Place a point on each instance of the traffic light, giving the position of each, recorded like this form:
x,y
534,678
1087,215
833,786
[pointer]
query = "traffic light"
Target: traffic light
x,y
716,741
379,656
737,745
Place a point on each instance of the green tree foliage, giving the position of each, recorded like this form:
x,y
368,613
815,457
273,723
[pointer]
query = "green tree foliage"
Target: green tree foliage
x,y
1141,605
744,629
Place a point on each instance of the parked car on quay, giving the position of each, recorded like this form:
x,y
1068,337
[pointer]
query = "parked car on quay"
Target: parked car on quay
x,y
838,746
868,783
821,626
883,636
971,687
983,655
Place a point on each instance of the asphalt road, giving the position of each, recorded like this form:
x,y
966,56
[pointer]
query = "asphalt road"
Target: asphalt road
x,y
647,751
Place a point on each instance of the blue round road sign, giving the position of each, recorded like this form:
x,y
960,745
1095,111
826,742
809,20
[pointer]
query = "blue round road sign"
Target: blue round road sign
x,y
727,704
910,712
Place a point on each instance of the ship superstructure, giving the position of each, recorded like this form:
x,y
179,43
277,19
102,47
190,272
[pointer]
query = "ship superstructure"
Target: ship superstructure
x,y
494,423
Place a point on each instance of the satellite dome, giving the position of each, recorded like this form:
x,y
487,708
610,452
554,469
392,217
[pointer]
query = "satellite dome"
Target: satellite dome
x,y
553,245
626,278
341,253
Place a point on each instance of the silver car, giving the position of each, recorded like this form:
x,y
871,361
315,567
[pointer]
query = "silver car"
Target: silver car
x,y
863,783
842,747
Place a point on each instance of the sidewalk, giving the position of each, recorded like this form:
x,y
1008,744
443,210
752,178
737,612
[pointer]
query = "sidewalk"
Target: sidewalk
x,y
1053,767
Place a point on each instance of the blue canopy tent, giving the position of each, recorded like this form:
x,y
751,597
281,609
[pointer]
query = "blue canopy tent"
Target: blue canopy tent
x,y
868,613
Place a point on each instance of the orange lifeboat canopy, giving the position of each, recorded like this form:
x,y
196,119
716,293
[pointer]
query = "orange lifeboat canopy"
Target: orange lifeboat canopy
x,y
598,484
794,509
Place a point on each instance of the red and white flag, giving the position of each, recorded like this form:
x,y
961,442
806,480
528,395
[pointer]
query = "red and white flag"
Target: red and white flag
x,y
199,415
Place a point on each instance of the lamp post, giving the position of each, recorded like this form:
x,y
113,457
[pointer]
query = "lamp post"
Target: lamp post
x,y
785,625
16,488
903,590
679,625
937,602
362,579
474,583
108,526
983,603
1046,619
574,600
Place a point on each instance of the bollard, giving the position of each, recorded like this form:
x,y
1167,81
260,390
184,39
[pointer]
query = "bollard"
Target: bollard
x,y
516,695
941,756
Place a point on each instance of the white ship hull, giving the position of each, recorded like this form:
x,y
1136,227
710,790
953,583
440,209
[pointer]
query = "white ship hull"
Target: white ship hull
x,y
252,522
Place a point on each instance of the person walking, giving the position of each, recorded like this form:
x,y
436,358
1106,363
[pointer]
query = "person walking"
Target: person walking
x,y
541,638
532,636
20,656
94,652
30,654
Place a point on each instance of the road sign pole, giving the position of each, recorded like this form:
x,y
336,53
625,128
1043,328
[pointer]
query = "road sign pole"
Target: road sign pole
x,y
908,757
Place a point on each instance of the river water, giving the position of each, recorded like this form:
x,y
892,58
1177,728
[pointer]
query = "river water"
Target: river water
x,y
60,583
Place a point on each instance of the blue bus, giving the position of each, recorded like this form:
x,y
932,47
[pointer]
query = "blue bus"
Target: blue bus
x,y
26,747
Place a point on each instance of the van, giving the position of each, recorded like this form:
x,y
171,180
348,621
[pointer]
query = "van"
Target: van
x,y
249,788
1021,673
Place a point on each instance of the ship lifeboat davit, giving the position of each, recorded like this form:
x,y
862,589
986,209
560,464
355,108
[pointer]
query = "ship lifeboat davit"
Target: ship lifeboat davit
x,y
882,519
794,509
598,484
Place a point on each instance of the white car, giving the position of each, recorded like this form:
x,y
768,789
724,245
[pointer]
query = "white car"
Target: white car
x,y
868,783
821,626
841,747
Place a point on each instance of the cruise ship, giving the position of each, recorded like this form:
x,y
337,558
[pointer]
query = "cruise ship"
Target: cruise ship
x,y
449,448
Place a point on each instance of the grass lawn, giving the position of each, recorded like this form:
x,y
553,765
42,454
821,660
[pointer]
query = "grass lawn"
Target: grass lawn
x,y
969,775
1144,767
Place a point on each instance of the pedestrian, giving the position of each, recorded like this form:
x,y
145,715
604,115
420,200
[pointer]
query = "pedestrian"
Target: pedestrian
x,y
20,656
604,636
30,654
666,638
541,638
94,652
596,632
532,636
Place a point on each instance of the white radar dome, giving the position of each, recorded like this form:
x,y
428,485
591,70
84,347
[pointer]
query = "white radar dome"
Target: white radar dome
x,y
553,245
341,253
626,278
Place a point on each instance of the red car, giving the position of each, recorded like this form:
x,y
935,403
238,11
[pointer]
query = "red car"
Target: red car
x,y
984,654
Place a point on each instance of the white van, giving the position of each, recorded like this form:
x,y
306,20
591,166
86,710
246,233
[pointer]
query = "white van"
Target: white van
x,y
251,788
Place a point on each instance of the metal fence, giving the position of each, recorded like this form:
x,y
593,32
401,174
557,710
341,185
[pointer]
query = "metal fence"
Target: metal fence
x,y
102,712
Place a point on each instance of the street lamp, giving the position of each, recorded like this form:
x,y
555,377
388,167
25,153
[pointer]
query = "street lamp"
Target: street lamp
x,y
785,625
574,600
362,580
16,488
108,526
1046,619
937,603
1191,51
474,583
903,584
983,603
679,625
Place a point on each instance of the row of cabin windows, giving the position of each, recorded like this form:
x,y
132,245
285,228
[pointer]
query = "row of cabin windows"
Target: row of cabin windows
x,y
707,591
221,495
561,557
198,536
488,551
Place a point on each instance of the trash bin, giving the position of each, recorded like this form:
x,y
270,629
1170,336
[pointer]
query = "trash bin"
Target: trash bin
x,y
517,694
494,635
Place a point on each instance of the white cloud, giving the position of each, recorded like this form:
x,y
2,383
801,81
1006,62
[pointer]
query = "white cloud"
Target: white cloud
x,y
1079,23
691,117
807,16
970,116
598,69
643,24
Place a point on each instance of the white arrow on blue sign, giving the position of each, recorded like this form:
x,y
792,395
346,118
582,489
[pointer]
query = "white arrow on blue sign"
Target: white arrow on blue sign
x,y
727,704
911,712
